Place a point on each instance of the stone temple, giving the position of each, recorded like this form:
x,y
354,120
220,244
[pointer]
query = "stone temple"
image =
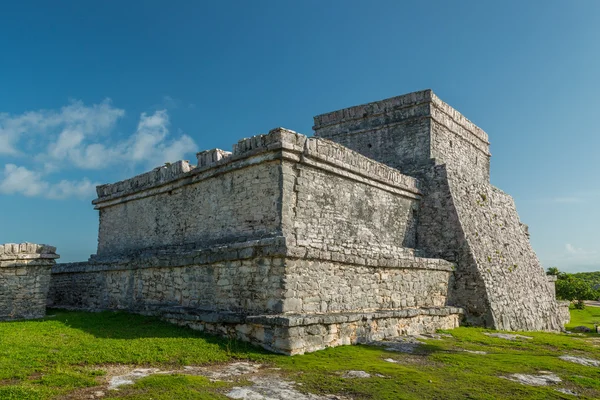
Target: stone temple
x,y
383,223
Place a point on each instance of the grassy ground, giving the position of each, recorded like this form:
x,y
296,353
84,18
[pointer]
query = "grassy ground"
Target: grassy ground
x,y
62,355
586,317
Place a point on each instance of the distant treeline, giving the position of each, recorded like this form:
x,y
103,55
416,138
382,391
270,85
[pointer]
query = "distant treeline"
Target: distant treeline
x,y
576,287
593,278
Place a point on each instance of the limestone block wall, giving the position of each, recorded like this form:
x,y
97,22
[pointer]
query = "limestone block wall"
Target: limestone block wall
x,y
505,261
24,279
337,199
244,277
236,204
406,132
393,131
321,286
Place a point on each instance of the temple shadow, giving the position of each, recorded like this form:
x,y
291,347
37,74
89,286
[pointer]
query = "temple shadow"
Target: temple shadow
x,y
124,325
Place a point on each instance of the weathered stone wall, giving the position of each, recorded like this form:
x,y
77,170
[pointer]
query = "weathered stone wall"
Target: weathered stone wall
x,y
338,199
406,132
24,279
303,333
394,131
516,286
461,217
243,277
319,286
458,143
236,203
563,311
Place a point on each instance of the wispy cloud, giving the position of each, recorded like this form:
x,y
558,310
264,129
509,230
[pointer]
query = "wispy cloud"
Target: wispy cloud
x,y
171,102
79,136
20,180
73,122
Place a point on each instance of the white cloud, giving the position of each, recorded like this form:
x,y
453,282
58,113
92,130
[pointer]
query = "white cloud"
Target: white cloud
x,y
149,142
75,120
80,136
20,180
67,189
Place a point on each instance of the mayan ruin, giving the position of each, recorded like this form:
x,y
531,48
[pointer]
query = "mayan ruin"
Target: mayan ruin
x,y
382,224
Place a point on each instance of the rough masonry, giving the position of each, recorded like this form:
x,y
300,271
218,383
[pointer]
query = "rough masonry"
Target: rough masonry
x,y
383,224
24,279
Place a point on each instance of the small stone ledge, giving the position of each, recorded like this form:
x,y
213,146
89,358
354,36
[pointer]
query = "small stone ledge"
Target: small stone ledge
x,y
157,176
275,247
14,251
340,156
27,255
278,138
175,257
289,320
372,109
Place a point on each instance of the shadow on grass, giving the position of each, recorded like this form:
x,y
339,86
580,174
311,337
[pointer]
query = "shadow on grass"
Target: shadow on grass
x,y
124,325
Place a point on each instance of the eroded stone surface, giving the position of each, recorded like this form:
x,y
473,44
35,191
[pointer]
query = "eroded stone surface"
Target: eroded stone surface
x,y
581,360
356,374
130,378
274,388
567,391
535,380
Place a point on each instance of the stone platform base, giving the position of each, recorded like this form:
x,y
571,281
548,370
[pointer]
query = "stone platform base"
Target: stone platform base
x,y
299,334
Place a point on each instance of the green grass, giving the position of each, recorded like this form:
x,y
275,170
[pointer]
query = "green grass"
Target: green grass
x,y
69,353
586,317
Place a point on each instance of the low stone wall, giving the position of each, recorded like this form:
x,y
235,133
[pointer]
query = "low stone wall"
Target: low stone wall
x,y
243,277
563,311
24,279
304,333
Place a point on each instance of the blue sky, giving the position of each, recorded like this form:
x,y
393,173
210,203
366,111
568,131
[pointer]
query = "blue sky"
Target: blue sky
x,y
97,92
